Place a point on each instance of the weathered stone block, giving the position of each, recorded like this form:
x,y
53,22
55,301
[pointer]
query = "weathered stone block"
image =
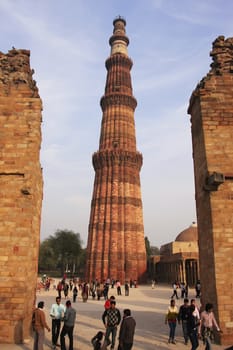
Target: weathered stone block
x,y
211,109
20,140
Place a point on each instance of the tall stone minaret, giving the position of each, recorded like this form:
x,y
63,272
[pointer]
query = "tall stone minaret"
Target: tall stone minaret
x,y
116,247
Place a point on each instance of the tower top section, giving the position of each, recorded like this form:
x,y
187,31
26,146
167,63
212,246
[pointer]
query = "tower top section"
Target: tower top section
x,y
119,41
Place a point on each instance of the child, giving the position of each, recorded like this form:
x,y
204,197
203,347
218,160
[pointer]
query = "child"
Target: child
x,y
96,340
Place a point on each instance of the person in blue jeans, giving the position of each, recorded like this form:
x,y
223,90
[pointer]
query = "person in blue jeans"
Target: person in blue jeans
x,y
111,319
183,316
57,313
171,320
208,323
68,327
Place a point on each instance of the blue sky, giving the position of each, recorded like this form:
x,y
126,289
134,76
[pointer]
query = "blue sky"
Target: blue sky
x,y
170,41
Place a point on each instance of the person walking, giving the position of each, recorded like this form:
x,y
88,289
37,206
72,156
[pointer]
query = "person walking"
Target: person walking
x,y
111,319
75,293
208,322
126,289
57,313
193,325
118,285
198,289
85,290
175,287
39,325
182,287
183,318
171,320
68,327
197,312
105,291
66,290
127,330
59,288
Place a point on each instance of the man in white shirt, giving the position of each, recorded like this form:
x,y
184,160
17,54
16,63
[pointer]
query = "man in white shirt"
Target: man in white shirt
x,y
57,313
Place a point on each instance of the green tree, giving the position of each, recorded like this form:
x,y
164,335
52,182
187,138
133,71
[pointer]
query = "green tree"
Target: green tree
x,y
147,244
154,250
62,251
47,258
151,250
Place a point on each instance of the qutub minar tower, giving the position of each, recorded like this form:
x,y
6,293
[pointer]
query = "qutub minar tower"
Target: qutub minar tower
x,y
116,246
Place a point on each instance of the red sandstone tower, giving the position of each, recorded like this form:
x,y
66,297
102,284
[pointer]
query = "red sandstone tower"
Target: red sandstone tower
x,y
116,247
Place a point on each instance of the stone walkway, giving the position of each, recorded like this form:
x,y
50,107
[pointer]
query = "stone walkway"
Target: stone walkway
x,y
148,307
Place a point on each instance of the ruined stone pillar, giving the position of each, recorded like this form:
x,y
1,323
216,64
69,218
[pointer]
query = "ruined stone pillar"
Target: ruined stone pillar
x,y
184,270
20,194
211,109
116,247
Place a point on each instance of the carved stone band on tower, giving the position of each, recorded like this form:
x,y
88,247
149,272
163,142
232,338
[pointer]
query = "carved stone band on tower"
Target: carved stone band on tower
x,y
116,245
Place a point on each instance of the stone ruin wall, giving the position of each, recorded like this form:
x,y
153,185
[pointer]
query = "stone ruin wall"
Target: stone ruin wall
x,y
20,194
211,109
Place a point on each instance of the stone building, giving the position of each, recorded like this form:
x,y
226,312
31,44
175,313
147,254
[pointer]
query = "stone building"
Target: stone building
x,y
178,260
20,194
211,110
116,247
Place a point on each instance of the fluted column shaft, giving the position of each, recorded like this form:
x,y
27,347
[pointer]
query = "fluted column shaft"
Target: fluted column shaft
x,y
116,247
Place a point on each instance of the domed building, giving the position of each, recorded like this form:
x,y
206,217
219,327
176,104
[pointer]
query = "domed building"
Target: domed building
x,y
178,260
188,235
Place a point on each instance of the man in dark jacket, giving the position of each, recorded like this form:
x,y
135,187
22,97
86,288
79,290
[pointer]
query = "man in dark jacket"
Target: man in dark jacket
x,y
193,328
183,316
111,319
127,330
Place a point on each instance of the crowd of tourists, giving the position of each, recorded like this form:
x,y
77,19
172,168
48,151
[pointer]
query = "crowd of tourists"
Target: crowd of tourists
x,y
66,315
196,324
184,289
94,290
63,316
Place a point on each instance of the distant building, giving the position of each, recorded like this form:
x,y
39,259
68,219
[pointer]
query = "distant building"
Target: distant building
x,y
178,260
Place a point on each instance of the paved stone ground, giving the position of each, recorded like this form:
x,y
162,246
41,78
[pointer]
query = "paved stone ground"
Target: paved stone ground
x,y
148,307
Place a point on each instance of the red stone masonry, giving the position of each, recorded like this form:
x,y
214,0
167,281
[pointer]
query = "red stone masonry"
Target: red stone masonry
x,y
116,247
20,194
211,109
